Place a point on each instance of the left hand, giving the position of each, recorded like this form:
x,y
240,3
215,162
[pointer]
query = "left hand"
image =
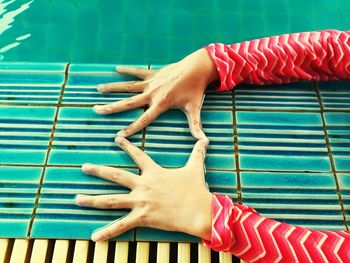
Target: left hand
x,y
168,199
177,86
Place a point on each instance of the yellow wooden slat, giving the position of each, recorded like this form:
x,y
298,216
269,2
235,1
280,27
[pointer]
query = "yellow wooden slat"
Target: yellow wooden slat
x,y
183,252
203,254
121,252
163,252
19,251
39,251
142,252
101,252
225,257
81,250
4,245
60,251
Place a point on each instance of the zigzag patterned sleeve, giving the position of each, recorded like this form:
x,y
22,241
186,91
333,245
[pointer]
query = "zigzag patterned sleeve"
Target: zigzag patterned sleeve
x,y
240,230
318,55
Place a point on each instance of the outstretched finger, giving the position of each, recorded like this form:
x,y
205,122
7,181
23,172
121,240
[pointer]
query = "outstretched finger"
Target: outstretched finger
x,y
104,201
194,122
119,106
126,86
199,151
146,118
140,157
137,72
116,175
116,228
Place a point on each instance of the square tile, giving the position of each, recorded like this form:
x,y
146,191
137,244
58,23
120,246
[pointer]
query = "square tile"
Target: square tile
x,y
25,134
83,80
338,130
335,95
169,142
31,83
276,141
305,199
294,96
82,136
18,189
58,216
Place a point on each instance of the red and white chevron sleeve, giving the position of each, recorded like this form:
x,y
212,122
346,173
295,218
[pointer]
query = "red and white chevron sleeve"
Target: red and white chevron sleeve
x,y
318,55
240,230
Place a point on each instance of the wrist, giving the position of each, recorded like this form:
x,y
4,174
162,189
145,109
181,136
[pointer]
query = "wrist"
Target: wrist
x,y
202,221
202,66
208,66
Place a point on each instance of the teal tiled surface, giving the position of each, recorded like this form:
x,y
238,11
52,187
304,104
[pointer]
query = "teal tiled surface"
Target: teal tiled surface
x,y
339,138
169,142
83,80
294,96
335,95
57,216
275,139
279,141
307,199
18,188
31,83
82,136
344,184
25,134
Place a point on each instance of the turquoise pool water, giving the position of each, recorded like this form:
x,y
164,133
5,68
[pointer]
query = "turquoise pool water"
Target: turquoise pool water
x,y
150,31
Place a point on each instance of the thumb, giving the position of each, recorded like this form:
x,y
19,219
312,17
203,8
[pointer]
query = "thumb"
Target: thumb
x,y
193,115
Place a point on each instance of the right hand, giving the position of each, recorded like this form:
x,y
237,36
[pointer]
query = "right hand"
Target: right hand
x,y
177,86
169,199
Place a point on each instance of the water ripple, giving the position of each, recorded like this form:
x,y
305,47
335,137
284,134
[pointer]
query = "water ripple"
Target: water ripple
x,y
6,20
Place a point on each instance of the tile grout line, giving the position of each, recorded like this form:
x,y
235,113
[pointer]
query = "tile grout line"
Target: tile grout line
x,y
36,203
330,155
235,148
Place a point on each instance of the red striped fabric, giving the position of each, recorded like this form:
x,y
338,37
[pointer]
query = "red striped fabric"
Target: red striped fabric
x,y
319,55
240,230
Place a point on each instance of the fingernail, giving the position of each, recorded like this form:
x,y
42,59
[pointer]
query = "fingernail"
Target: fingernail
x,y
119,68
96,236
99,109
119,140
100,87
122,133
87,168
79,199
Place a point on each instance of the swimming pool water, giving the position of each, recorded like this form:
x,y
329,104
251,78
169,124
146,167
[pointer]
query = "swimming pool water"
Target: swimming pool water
x,y
151,31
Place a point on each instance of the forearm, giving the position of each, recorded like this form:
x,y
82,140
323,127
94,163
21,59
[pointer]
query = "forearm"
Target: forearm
x,y
319,55
240,230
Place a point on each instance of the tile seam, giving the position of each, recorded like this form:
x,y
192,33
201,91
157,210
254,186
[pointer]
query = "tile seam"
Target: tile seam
x,y
330,155
36,203
235,148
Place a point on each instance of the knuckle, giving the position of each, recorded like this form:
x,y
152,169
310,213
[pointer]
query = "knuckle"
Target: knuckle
x,y
163,104
122,227
109,233
143,220
97,170
129,102
116,176
145,119
112,202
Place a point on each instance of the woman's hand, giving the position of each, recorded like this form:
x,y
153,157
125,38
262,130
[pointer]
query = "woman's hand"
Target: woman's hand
x,y
168,199
180,86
